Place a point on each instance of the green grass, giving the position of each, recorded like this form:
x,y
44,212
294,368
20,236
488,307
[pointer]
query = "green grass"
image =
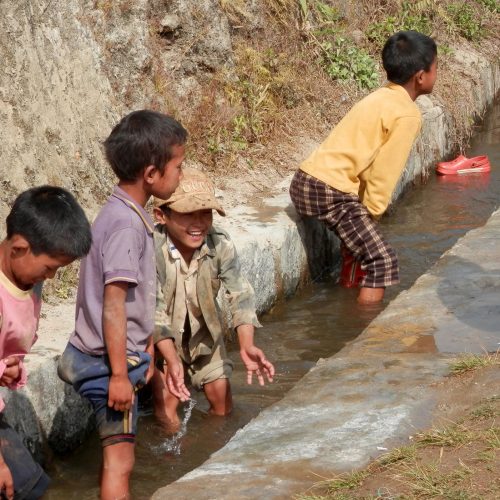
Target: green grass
x,y
470,362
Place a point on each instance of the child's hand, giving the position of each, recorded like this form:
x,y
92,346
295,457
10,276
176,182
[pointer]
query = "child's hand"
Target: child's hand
x,y
12,371
175,380
6,481
255,361
121,393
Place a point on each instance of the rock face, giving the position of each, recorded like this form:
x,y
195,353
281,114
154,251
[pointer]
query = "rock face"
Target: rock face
x,y
71,69
55,101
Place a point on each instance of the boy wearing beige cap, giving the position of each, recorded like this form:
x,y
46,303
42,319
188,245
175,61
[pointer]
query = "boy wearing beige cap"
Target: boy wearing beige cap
x,y
193,258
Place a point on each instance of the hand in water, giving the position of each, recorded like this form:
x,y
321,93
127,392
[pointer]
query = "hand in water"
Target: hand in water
x,y
12,371
255,362
175,381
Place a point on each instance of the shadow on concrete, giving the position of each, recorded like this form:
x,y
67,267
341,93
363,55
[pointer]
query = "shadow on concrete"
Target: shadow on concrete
x,y
471,293
322,247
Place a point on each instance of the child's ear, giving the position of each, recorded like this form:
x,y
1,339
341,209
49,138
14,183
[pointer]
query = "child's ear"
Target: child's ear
x,y
19,246
419,76
149,174
159,215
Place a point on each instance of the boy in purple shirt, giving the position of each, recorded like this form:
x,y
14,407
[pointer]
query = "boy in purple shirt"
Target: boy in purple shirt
x,y
107,357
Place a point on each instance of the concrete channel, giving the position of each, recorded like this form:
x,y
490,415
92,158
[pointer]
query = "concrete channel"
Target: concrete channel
x,y
366,395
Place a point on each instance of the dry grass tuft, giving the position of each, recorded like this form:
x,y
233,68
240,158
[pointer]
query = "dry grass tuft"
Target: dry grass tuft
x,y
470,362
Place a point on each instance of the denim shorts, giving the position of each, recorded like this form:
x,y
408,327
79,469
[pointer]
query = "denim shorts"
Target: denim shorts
x,y
90,375
30,480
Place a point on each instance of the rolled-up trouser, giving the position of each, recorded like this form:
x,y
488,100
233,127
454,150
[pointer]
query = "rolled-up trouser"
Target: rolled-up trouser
x,y
344,214
90,376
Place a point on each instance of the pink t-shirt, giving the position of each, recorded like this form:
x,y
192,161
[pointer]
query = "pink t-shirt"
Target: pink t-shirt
x,y
19,314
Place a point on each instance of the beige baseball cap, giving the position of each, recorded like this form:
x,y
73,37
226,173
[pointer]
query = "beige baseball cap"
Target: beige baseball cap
x,y
194,192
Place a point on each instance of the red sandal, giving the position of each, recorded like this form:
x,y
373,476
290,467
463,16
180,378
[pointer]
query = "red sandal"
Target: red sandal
x,y
351,273
464,165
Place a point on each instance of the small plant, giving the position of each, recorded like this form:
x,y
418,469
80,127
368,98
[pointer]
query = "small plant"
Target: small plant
x,y
345,481
454,435
413,16
397,455
485,410
469,362
493,5
444,50
344,61
464,18
63,285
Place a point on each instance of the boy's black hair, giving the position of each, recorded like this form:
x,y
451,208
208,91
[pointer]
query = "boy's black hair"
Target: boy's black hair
x,y
407,52
140,139
51,221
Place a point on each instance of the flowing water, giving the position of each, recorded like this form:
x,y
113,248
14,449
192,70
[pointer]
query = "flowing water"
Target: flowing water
x,y
316,323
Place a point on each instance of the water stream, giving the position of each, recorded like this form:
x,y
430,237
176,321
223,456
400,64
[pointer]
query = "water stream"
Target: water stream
x,y
316,323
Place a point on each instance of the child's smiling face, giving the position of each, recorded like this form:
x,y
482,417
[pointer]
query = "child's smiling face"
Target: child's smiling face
x,y
186,230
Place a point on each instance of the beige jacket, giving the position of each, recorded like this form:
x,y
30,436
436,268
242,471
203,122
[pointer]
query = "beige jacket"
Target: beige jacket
x,y
218,264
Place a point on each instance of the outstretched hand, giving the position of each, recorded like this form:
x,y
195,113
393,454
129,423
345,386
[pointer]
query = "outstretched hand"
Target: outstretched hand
x,y
255,362
175,381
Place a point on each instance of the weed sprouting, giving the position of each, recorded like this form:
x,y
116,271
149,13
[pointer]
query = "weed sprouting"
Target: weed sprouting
x,y
415,16
345,481
343,61
469,362
398,455
338,55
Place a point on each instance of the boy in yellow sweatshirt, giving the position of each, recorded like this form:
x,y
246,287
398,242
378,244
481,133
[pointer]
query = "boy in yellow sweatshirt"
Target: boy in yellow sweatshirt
x,y
348,181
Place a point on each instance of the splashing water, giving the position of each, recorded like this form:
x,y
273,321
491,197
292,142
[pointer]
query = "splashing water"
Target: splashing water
x,y
173,444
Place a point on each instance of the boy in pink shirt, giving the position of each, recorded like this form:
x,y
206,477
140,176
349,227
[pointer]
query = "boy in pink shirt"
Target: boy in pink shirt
x,y
46,229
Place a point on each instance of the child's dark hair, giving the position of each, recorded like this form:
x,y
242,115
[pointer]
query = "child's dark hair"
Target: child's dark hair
x,y
407,52
140,139
51,221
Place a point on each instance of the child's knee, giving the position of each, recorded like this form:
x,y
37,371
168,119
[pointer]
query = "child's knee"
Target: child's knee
x,y
218,394
119,459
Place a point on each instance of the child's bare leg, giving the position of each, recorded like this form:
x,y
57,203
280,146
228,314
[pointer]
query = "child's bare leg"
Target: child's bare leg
x,y
118,462
164,403
219,396
370,295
